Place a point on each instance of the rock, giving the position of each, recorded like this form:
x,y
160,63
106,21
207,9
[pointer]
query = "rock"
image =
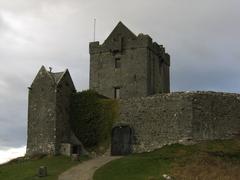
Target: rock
x,y
165,176
42,171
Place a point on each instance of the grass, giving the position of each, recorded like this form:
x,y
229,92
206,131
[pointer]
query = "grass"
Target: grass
x,y
20,169
218,159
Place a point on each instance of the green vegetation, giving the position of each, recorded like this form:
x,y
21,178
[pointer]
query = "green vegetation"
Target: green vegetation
x,y
21,169
92,117
206,160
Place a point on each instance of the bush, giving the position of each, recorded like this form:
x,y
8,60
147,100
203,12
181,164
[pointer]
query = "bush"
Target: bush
x,y
92,117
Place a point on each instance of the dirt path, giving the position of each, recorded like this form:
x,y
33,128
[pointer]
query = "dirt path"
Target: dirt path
x,y
86,169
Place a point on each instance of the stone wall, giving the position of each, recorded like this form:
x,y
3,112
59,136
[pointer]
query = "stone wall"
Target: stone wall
x,y
131,77
65,90
42,115
179,117
49,112
158,71
215,115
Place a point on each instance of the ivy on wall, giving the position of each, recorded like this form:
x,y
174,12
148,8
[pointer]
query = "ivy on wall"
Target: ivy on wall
x,y
92,117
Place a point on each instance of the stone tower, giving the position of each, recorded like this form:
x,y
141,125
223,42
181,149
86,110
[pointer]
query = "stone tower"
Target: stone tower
x,y
126,65
48,112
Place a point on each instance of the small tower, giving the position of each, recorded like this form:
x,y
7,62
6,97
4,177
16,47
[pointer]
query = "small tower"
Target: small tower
x,y
126,65
48,112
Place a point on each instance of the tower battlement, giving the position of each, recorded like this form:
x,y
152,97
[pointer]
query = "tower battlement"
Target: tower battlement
x,y
126,65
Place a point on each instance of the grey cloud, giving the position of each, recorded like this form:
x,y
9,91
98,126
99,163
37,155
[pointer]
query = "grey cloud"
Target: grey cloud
x,y
12,135
3,25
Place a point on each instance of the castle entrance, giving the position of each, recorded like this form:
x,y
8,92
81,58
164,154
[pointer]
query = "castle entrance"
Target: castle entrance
x,y
121,140
76,149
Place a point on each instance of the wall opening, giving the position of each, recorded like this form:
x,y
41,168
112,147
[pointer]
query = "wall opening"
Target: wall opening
x,y
121,143
117,63
76,149
117,93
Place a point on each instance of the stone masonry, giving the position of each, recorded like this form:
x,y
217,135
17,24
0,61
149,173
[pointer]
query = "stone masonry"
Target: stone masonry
x,y
49,112
127,65
180,117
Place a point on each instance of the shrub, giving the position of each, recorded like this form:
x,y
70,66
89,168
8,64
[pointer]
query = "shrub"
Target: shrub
x,y
92,117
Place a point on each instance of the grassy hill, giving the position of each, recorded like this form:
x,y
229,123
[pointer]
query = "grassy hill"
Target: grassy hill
x,y
20,169
206,160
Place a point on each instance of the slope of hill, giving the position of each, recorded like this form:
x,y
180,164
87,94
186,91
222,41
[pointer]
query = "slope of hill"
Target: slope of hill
x,y
219,159
20,169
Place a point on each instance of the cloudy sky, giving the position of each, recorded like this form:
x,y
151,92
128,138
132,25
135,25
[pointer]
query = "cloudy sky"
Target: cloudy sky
x,y
202,38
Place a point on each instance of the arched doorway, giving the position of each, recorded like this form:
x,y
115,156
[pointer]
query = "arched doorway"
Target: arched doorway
x,y
121,140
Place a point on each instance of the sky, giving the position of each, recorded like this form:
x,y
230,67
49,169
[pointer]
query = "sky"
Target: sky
x,y
202,38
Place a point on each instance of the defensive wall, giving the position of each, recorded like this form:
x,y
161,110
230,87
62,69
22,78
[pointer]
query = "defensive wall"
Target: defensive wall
x,y
180,117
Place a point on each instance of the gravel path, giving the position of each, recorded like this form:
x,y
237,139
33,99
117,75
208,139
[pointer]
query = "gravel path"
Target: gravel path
x,y
86,169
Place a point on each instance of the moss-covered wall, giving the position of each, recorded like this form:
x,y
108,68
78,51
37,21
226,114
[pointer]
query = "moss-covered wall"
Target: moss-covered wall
x,y
92,117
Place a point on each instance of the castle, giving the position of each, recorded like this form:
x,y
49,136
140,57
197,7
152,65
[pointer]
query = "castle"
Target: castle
x,y
134,70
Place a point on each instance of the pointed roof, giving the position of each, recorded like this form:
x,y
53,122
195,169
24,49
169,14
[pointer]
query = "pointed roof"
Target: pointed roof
x,y
54,76
57,76
42,73
120,31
